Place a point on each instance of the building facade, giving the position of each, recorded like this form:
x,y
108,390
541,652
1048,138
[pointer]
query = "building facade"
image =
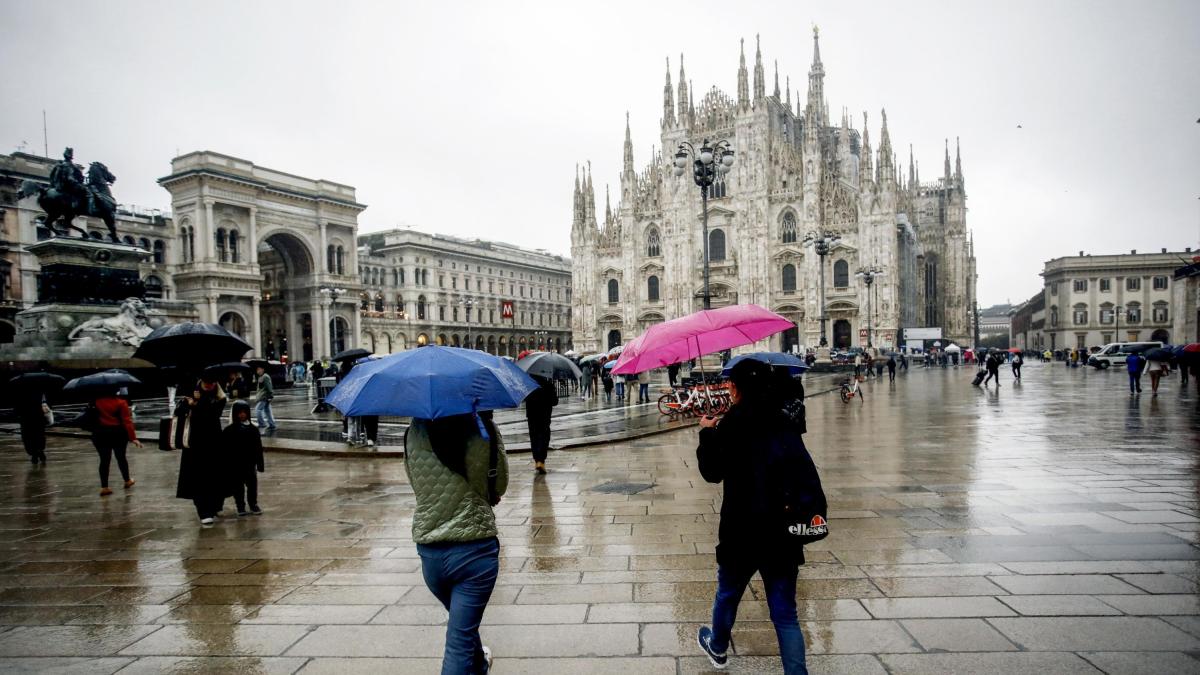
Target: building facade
x,y
1094,300
796,172
1186,300
995,325
1028,324
421,289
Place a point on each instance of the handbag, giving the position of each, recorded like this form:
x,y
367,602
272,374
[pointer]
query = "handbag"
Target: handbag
x,y
48,414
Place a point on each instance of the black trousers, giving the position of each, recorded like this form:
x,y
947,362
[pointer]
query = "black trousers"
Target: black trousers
x,y
1016,370
539,436
992,372
33,435
208,507
371,427
245,491
111,442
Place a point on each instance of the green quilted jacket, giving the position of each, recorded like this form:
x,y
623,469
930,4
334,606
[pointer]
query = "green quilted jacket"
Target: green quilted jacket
x,y
450,507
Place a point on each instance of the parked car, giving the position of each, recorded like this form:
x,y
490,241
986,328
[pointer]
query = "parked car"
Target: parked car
x,y
1114,353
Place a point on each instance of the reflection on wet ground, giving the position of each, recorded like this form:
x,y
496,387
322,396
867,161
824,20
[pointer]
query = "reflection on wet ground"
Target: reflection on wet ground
x,y
1045,527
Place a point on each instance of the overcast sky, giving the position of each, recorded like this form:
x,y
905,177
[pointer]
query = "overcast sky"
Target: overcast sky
x,y
1078,120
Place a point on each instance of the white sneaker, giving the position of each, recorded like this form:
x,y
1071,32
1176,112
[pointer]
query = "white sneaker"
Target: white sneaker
x,y
370,443
206,521
487,656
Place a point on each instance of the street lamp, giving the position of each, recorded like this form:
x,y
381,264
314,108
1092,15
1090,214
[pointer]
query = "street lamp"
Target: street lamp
x,y
822,241
869,275
707,163
332,294
543,338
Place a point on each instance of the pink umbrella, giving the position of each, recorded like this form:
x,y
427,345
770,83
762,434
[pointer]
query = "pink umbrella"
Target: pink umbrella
x,y
695,335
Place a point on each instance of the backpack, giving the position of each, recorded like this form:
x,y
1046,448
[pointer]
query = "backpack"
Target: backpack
x,y
796,502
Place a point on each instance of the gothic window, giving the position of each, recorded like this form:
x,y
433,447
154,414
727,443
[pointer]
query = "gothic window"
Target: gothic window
x,y
441,313
614,291
716,245
160,251
1160,283
222,255
1080,315
789,228
454,314
154,287
719,189
379,302
789,277
1133,284
652,289
234,240
421,307
186,244
841,274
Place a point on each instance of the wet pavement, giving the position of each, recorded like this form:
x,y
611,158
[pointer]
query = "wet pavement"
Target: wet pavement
x,y
1044,527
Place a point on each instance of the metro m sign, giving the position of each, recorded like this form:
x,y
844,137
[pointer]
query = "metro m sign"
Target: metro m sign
x,y
506,309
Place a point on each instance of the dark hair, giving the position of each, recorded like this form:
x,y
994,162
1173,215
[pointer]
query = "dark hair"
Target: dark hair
x,y
448,436
753,381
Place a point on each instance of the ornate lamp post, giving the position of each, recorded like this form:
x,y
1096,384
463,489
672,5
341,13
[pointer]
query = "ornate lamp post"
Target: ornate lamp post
x,y
543,338
822,241
707,163
869,275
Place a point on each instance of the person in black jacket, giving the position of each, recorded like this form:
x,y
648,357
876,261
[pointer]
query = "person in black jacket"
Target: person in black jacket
x,y
538,408
202,464
243,443
31,412
738,450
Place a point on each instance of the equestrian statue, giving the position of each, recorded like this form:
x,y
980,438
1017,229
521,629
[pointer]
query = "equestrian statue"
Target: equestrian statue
x,y
70,195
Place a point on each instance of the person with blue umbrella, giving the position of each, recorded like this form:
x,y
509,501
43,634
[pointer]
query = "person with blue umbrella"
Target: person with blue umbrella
x,y
455,460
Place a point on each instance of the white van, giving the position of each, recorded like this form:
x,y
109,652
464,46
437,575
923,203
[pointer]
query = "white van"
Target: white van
x,y
1114,354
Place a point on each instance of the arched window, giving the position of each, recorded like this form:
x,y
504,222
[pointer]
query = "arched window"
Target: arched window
x,y
154,287
160,251
379,302
187,242
614,291
841,274
652,289
788,230
128,241
718,190
144,244
653,245
234,240
341,260
716,245
222,255
421,307
330,263
789,277
395,277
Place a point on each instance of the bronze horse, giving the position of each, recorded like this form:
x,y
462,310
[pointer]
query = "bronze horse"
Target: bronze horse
x,y
61,208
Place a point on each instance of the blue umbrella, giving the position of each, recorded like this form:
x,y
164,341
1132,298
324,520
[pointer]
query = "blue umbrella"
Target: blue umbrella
x,y
793,363
608,365
431,382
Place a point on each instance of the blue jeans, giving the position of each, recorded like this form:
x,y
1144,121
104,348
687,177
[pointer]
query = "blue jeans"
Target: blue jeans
x,y
781,601
620,390
643,392
462,575
262,410
1135,382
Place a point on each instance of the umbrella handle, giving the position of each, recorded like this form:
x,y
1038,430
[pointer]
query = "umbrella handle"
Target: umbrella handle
x,y
479,422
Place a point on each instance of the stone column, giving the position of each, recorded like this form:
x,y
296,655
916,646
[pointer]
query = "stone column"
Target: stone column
x,y
212,307
355,328
323,254
295,335
256,320
252,254
321,330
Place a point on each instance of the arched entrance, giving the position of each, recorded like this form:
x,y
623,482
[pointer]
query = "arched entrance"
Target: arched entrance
x,y
288,278
422,340
614,338
1161,335
234,323
338,329
841,334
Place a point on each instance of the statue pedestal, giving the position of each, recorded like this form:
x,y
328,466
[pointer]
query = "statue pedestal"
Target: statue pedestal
x,y
88,271
823,355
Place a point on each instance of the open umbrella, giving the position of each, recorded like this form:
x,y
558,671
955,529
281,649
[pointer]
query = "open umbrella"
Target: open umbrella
x,y
697,334
615,350
191,346
110,379
609,365
590,357
952,349
221,370
793,363
39,381
550,366
431,382
1158,354
350,355
527,352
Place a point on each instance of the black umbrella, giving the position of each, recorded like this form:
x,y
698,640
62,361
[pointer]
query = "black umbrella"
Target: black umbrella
x,y
110,379
224,369
191,345
39,381
550,366
350,355
1158,354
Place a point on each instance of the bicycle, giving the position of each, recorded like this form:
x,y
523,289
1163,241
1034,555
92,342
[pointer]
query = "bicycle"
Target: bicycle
x,y
694,400
850,389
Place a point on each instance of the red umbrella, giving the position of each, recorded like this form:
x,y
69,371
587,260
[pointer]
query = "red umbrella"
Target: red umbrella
x,y
1192,348
695,335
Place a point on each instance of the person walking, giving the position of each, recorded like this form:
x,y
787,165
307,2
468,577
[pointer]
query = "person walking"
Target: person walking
x,y
1157,369
1134,363
857,363
992,363
619,382
262,400
539,406
203,470
606,379
585,381
741,451
643,382
34,416
243,444
112,431
458,471
891,366
1018,360
673,374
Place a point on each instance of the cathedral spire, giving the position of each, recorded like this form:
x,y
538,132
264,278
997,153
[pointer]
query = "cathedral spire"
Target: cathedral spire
x,y
577,202
912,174
958,177
628,147
760,87
787,98
815,112
668,119
864,166
776,79
608,215
887,166
946,170
743,92
589,198
683,95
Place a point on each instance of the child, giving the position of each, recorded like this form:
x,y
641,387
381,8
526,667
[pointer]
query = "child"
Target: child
x,y
244,445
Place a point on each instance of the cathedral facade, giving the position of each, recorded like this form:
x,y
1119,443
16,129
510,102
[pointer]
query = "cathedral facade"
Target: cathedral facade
x,y
796,173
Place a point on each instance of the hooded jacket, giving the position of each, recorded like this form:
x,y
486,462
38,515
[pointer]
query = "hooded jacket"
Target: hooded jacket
x,y
242,441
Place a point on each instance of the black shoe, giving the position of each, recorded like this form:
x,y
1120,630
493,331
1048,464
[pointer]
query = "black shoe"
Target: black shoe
x,y
34,460
255,510
703,638
242,514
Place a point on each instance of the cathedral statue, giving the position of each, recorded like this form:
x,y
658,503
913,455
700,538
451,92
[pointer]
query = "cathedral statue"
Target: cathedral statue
x,y
70,194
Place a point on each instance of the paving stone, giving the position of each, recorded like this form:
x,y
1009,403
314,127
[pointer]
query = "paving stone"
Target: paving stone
x,y
1143,663
1058,584
343,595
1154,605
900,587
985,664
962,606
70,640
311,614
957,635
1102,633
217,640
62,665
271,665
1058,605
